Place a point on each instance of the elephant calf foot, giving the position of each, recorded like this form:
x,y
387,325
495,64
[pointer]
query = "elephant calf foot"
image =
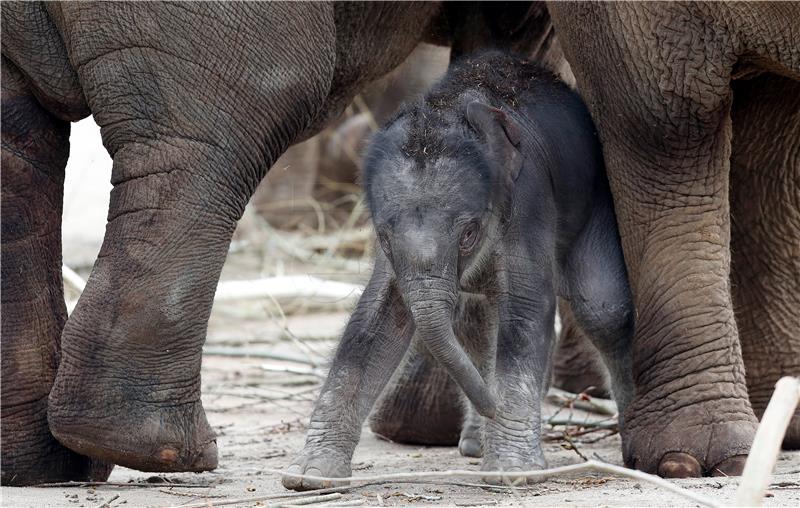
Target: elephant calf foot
x,y
684,446
470,446
512,445
510,464
471,442
324,462
130,422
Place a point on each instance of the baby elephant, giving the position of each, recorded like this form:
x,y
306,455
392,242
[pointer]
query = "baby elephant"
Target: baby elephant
x,y
490,201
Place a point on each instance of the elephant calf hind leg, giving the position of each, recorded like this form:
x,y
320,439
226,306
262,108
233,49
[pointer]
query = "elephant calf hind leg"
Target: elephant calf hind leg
x,y
577,368
599,308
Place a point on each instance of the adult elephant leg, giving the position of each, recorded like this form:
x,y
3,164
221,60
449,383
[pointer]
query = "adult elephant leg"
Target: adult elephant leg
x,y
195,102
666,135
421,405
577,366
690,414
34,154
765,236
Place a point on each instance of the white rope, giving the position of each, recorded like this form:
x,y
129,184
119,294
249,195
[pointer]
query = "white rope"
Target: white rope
x,y
542,474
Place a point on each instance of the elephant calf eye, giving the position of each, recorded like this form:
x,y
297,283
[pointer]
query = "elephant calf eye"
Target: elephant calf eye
x,y
469,238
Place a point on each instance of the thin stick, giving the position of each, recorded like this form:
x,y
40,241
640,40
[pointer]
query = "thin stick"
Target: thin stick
x,y
122,484
228,502
193,495
108,502
351,502
309,500
573,447
362,106
284,324
345,488
589,465
71,277
292,370
243,352
287,286
598,424
767,443
594,404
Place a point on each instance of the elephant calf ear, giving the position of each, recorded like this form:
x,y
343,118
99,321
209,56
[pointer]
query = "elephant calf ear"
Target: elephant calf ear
x,y
501,132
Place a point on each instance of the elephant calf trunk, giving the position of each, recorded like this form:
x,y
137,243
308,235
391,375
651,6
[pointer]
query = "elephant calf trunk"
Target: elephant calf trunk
x,y
433,322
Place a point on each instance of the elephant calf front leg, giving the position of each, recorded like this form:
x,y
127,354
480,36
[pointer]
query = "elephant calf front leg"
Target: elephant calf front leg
x,y
374,342
513,437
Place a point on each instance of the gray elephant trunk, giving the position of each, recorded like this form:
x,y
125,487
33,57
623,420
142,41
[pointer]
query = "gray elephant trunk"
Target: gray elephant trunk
x,y
431,301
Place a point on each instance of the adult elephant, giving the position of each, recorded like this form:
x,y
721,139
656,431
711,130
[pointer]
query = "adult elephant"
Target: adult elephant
x,y
698,109
192,130
195,101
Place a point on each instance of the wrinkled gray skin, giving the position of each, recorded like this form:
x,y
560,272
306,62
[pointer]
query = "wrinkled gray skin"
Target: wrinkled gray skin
x,y
489,201
697,108
195,101
686,97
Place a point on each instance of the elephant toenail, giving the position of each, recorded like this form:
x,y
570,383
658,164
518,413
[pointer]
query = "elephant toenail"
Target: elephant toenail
x,y
313,471
679,465
169,455
208,457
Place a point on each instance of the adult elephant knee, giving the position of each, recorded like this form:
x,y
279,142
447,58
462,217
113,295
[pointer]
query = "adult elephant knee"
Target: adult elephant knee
x,y
662,107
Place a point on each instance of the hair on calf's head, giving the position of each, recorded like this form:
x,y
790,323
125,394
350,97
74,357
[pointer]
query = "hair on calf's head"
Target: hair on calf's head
x,y
429,147
426,159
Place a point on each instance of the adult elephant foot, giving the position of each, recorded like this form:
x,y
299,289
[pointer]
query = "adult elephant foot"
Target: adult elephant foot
x,y
685,450
128,387
422,405
34,154
577,364
765,236
147,446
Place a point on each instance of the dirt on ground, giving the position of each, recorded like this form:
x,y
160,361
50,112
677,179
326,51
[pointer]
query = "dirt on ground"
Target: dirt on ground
x,y
260,416
259,408
264,363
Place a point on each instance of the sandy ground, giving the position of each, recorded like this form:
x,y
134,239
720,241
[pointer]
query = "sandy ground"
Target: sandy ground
x,y
261,425
260,411
260,415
